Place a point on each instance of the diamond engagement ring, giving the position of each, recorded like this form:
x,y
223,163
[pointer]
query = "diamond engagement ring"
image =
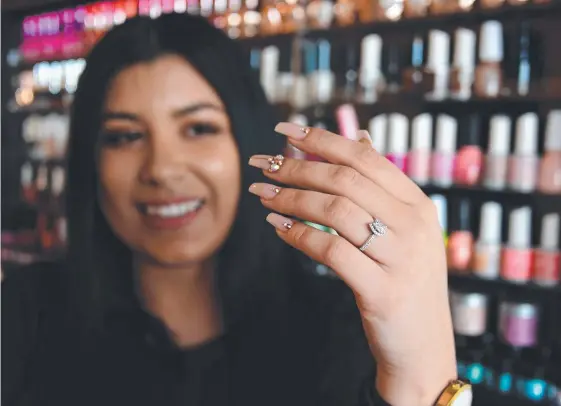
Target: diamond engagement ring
x,y
378,229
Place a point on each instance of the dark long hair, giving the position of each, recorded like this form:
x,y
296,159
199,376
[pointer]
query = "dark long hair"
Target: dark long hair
x,y
100,262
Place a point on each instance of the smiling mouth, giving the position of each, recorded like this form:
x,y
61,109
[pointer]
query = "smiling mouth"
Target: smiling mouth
x,y
170,215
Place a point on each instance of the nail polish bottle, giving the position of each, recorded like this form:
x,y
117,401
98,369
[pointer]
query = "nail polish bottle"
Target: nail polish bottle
x,y
291,151
418,162
487,255
320,13
310,55
516,261
378,129
269,71
300,96
519,324
488,74
550,166
463,67
469,313
416,8
347,120
397,140
438,64
524,68
392,68
547,258
351,74
469,159
415,78
325,78
496,163
345,12
460,241
371,78
442,165
442,213
523,165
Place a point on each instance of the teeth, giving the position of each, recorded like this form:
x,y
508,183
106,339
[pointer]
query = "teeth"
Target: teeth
x,y
174,210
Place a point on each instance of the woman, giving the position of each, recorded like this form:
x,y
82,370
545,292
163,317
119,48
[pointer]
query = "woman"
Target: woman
x,y
177,292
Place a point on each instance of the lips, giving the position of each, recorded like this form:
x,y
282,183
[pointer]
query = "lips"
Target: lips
x,y
170,214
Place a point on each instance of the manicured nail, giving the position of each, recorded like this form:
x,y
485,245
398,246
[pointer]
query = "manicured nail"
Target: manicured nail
x,y
260,161
264,190
291,130
279,222
364,137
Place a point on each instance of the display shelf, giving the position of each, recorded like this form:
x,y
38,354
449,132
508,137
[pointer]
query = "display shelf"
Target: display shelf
x,y
466,282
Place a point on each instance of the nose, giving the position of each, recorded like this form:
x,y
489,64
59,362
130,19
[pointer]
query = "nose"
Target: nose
x,y
163,162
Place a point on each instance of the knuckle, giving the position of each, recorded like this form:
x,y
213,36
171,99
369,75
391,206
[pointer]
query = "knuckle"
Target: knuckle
x,y
337,209
343,177
301,236
333,252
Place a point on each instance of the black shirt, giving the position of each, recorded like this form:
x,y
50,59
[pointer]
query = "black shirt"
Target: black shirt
x,y
310,352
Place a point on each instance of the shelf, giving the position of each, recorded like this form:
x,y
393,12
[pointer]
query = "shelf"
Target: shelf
x,y
467,282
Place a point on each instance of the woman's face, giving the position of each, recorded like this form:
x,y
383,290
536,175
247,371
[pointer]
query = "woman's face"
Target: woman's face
x,y
168,164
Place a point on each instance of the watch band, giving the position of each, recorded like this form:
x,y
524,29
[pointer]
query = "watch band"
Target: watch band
x,y
451,392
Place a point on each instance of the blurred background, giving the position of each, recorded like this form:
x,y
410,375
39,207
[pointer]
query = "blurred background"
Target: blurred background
x,y
463,95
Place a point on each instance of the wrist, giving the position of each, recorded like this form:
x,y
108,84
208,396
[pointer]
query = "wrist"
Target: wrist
x,y
400,390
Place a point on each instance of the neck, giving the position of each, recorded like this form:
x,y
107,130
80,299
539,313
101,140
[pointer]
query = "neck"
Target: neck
x,y
184,298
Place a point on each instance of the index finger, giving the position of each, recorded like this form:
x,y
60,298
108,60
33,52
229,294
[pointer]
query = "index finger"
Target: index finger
x,y
363,158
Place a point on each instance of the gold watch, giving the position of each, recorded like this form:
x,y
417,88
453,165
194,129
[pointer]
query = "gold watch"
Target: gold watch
x,y
457,393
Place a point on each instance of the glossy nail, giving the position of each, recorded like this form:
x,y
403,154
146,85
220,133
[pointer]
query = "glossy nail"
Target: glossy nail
x,y
264,190
260,161
291,130
364,137
279,222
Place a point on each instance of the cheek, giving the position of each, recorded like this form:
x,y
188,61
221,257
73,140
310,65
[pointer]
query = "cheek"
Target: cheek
x,y
223,170
116,178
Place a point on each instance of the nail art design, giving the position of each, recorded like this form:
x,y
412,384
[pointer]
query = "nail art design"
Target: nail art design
x,y
280,222
276,163
264,190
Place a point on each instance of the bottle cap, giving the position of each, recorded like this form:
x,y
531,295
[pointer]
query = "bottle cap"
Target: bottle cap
x,y
491,42
461,216
472,131
324,55
347,121
522,310
464,52
526,134
468,299
421,132
553,131
520,227
499,135
378,128
490,223
371,55
397,137
441,210
439,50
550,231
446,134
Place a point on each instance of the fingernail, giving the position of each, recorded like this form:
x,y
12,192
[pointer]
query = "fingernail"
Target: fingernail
x,y
260,161
280,222
264,190
364,137
291,130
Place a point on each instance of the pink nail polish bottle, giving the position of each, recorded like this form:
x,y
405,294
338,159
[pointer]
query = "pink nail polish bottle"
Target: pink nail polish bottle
x,y
550,167
469,159
460,241
397,140
442,163
519,324
418,162
516,263
523,165
487,255
347,121
378,129
496,162
547,257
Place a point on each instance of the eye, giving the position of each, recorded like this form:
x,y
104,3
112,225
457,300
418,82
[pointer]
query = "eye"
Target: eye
x,y
200,129
115,139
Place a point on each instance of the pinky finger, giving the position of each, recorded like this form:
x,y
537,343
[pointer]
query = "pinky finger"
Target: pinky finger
x,y
358,271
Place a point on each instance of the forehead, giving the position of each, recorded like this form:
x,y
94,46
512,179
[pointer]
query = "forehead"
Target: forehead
x,y
169,82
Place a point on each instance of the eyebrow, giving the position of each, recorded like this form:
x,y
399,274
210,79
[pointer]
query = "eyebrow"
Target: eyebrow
x,y
119,115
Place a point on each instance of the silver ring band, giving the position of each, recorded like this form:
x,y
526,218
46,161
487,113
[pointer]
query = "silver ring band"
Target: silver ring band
x,y
378,229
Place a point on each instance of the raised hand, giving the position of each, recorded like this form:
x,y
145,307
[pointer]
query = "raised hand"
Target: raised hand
x,y
389,250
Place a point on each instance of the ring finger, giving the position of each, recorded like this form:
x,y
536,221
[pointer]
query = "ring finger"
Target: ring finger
x,y
348,219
